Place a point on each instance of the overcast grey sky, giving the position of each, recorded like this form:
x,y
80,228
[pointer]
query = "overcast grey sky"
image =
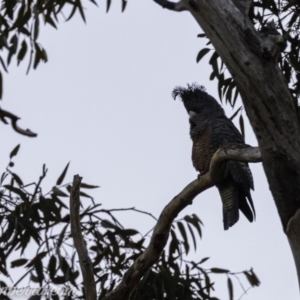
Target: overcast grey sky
x,y
104,102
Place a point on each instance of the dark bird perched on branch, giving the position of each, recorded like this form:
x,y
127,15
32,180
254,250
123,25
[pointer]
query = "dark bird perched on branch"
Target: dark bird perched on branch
x,y
210,129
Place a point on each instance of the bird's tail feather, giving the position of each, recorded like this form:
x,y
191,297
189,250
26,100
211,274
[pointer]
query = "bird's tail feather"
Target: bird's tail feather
x,y
248,211
229,195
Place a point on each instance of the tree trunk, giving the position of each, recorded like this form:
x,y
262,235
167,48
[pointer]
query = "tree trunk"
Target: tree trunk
x,y
251,60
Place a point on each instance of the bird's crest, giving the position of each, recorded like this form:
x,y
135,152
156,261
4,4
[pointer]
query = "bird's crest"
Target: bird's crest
x,y
186,93
195,97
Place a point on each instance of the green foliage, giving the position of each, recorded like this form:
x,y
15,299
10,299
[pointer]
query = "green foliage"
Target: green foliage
x,y
31,218
21,24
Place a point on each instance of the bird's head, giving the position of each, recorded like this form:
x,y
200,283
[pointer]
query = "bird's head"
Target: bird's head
x,y
196,100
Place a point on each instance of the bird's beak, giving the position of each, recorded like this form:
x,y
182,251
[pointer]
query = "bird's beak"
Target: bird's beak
x,y
192,114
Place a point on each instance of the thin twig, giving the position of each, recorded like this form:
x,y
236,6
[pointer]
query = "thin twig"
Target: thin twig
x,y
14,119
245,292
148,232
238,279
176,6
130,208
39,183
22,277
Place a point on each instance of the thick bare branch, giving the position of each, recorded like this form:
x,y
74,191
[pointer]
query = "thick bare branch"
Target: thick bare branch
x,y
79,243
238,152
161,231
176,6
5,114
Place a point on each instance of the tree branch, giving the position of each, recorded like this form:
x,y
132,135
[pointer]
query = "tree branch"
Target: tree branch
x,y
176,6
79,243
243,5
161,231
5,114
240,152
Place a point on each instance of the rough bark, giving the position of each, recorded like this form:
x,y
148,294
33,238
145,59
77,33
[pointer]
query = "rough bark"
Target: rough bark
x,y
79,243
251,60
162,229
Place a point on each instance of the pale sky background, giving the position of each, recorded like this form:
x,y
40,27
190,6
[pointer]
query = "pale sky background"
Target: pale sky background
x,y
103,102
